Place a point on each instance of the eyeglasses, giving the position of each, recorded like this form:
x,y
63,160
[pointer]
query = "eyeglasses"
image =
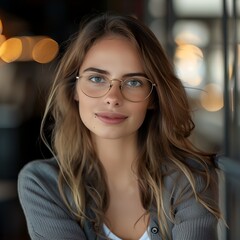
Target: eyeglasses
x,y
134,88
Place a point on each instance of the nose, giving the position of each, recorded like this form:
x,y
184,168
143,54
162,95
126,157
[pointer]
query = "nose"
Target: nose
x,y
114,96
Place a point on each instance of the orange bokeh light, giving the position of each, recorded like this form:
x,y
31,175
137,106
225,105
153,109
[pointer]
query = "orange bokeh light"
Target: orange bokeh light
x,y
45,50
212,98
11,49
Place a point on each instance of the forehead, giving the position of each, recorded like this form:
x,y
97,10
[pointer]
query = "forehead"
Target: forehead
x,y
113,52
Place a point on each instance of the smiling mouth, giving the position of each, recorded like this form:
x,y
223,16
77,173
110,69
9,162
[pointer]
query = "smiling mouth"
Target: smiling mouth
x,y
111,118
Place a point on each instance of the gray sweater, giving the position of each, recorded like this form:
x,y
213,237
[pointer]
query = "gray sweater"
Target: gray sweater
x,y
49,219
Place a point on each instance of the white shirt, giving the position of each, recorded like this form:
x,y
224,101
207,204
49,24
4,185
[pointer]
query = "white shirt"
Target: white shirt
x,y
112,236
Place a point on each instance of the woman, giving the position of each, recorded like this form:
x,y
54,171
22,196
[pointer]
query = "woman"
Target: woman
x,y
123,166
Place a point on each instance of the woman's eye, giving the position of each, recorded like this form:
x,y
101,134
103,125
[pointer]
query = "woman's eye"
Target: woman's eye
x,y
133,83
97,79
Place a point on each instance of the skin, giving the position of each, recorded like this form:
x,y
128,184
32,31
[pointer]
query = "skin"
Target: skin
x,y
114,122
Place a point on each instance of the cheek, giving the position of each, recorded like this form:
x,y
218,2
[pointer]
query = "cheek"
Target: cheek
x,y
85,112
84,105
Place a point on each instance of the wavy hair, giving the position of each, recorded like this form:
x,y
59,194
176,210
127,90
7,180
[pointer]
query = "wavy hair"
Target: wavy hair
x,y
162,139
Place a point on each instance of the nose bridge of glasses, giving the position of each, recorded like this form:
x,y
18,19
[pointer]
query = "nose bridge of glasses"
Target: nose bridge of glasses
x,y
114,90
115,80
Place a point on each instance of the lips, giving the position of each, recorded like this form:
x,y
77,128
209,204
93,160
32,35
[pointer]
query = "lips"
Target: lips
x,y
110,117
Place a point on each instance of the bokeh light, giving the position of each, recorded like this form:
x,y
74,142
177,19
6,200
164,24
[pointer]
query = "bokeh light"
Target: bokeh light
x,y
11,49
190,66
191,32
28,48
212,97
45,50
2,39
1,27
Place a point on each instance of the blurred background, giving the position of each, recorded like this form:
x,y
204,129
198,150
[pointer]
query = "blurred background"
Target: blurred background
x,y
201,37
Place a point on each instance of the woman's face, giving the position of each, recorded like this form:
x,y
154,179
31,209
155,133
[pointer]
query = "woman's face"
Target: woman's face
x,y
111,116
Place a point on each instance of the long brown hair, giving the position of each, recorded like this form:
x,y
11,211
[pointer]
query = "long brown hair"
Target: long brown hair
x,y
163,139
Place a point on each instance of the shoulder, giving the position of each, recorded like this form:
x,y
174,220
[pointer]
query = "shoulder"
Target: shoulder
x,y
45,170
195,171
39,175
46,213
40,167
192,219
196,181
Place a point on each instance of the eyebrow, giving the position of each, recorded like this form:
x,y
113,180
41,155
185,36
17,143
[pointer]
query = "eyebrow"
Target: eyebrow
x,y
101,71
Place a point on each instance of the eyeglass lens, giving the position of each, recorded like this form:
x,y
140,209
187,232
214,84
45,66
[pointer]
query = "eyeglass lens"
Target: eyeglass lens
x,y
133,89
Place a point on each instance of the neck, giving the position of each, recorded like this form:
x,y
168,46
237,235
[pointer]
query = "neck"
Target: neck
x,y
118,157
